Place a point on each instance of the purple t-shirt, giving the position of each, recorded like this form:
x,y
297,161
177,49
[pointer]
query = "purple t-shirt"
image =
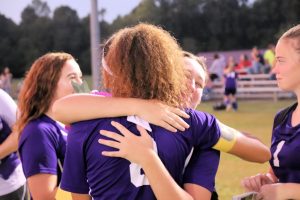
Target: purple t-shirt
x,y
285,147
42,144
87,171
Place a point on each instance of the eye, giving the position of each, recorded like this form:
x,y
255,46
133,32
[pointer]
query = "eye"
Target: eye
x,y
199,85
72,76
280,60
188,76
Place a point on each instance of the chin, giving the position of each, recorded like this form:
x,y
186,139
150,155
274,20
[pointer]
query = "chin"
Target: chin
x,y
284,87
193,105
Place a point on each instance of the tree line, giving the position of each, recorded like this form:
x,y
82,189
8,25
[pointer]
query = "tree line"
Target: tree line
x,y
198,25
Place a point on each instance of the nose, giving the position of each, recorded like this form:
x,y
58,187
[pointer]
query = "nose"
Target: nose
x,y
79,80
192,85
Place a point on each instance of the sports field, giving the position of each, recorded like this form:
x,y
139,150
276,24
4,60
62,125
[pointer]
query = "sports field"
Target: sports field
x,y
255,117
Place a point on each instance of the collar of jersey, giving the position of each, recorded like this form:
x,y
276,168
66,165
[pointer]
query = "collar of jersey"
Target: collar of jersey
x,y
139,121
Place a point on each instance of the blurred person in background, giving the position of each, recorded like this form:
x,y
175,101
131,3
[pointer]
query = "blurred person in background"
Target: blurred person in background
x,y
6,79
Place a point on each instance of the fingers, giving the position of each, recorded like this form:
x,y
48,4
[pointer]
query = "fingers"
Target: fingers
x,y
109,143
166,125
142,131
111,153
256,182
111,135
252,183
180,113
177,122
246,184
124,131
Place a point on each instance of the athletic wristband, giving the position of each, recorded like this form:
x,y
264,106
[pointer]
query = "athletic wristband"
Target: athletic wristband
x,y
228,138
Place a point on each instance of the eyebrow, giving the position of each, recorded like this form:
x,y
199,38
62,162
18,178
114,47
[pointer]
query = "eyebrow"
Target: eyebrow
x,y
73,74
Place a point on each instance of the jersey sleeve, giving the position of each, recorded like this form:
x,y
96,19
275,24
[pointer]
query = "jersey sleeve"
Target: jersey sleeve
x,y
38,151
205,128
74,173
202,168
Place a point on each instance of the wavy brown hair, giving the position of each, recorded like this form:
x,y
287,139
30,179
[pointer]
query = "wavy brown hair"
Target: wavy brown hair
x,y
39,87
146,62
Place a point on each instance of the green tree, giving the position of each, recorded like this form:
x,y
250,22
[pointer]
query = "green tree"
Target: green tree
x,y
36,36
9,54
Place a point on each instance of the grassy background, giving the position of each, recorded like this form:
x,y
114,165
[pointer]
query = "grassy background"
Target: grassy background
x,y
255,117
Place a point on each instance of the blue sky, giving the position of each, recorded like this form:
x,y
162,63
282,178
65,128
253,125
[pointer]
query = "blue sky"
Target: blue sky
x,y
13,8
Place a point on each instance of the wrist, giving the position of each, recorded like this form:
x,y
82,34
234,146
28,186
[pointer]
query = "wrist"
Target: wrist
x,y
135,106
149,157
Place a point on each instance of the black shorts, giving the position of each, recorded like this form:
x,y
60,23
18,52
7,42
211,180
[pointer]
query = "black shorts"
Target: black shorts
x,y
229,91
213,77
19,194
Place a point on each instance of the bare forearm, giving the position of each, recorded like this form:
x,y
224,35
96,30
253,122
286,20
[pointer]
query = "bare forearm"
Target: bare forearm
x,y
245,147
84,106
251,149
162,184
9,145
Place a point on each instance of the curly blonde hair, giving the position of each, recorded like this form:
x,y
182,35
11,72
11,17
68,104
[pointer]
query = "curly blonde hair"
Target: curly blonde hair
x,y
146,62
39,86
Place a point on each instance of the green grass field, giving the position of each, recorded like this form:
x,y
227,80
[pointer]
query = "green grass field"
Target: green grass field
x,y
255,117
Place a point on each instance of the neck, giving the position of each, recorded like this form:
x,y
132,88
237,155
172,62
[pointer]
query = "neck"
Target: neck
x,y
49,112
296,113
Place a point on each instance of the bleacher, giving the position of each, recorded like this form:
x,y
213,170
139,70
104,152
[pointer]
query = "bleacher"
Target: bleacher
x,y
252,86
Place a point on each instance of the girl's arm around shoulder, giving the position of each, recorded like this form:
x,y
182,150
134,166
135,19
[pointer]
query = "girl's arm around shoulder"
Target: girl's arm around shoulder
x,y
79,107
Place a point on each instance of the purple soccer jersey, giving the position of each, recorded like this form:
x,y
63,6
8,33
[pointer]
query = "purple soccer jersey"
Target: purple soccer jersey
x,y
202,168
285,147
42,144
9,163
230,80
87,171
